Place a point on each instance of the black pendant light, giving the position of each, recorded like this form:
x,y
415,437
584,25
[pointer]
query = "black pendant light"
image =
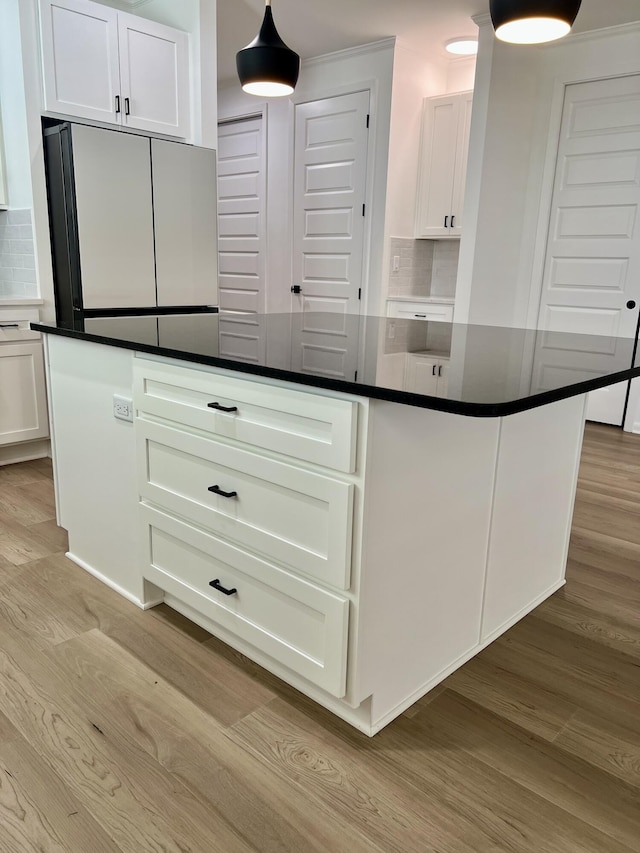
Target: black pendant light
x,y
533,21
267,66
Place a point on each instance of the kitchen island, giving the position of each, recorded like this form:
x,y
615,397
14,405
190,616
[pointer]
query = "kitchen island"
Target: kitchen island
x,y
358,539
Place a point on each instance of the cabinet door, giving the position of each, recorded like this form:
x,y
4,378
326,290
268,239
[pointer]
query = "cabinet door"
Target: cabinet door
x,y
23,409
462,154
115,218
443,377
80,58
443,155
154,69
422,375
184,206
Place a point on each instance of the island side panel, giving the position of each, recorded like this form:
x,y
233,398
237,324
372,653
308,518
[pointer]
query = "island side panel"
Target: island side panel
x,y
427,510
536,484
94,460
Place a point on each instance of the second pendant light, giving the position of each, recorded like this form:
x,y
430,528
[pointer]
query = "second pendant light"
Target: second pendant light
x,y
533,21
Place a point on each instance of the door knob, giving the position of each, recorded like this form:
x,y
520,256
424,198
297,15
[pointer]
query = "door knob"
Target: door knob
x,y
631,303
296,288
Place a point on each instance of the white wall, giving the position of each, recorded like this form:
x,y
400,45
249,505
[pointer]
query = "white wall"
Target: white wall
x,y
515,124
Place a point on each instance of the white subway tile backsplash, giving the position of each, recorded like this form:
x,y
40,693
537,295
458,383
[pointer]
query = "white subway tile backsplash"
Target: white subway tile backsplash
x,y
426,267
18,217
17,260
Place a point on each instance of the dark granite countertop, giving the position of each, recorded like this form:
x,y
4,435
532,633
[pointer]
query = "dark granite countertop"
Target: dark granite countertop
x,y
487,371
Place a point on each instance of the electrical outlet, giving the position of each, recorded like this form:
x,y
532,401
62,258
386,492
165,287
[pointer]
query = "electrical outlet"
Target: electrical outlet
x,y
122,408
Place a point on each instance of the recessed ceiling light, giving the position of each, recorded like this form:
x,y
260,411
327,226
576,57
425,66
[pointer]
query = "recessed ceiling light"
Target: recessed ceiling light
x,y
466,46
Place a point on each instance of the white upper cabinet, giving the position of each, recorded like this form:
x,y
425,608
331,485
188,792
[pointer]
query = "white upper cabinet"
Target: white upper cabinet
x,y
154,76
110,66
443,164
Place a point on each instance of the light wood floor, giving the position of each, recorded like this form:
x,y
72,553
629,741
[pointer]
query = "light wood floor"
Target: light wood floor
x,y
129,731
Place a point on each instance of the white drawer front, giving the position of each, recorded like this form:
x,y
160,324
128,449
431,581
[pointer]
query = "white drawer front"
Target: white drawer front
x,y
305,426
290,515
293,621
420,311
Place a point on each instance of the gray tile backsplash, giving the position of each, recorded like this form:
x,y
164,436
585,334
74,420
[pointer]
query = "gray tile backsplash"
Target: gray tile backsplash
x,y
17,260
426,267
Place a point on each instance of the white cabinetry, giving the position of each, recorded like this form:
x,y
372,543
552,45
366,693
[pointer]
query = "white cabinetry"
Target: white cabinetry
x,y
426,374
110,66
23,408
256,543
443,164
439,311
359,549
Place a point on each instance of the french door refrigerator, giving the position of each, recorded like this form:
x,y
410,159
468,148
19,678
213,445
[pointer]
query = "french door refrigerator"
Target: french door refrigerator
x,y
132,220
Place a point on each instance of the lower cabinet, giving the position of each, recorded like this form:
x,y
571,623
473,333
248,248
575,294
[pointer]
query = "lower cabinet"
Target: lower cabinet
x,y
259,543
295,622
425,374
362,566
23,407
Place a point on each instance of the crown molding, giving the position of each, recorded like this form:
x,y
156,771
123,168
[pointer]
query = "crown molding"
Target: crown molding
x,y
349,52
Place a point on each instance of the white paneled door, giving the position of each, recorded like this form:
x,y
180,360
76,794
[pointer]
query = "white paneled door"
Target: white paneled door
x,y
330,173
242,238
592,268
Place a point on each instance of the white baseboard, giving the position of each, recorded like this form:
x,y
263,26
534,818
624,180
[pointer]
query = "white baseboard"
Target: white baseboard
x,y
26,451
114,586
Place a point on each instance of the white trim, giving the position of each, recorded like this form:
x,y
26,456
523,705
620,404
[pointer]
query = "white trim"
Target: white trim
x,y
114,586
25,451
348,52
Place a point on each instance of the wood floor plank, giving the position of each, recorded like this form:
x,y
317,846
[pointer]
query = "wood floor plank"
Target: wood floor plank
x,y
611,748
38,812
128,793
510,695
573,787
340,777
166,724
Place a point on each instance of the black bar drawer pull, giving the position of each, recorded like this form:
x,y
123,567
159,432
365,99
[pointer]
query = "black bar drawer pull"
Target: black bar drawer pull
x,y
222,408
218,491
217,585
9,325
421,316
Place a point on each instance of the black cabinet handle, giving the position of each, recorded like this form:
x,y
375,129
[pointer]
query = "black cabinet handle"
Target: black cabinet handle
x,y
421,316
218,491
440,370
217,585
631,303
433,370
126,106
221,408
9,325
446,219
296,288
452,218
117,104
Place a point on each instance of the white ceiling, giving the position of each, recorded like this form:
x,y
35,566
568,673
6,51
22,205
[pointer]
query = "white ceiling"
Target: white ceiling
x,y
314,28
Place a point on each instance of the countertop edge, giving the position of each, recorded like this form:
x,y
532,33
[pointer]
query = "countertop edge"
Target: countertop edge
x,y
390,395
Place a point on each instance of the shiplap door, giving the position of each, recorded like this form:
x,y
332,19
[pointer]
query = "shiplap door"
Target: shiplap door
x,y
242,237
330,173
591,278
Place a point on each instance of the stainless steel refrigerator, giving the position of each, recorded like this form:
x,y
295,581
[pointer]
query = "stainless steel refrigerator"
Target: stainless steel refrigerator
x,y
133,222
